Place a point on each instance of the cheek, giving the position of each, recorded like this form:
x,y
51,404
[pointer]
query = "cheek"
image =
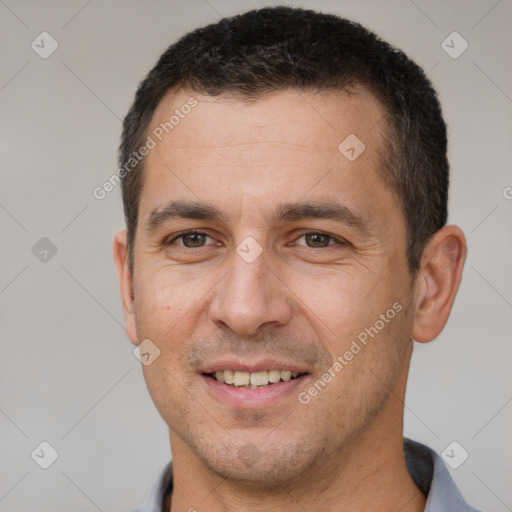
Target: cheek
x,y
170,292
163,299
342,303
164,310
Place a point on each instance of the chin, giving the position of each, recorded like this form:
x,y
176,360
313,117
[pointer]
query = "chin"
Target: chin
x,y
266,462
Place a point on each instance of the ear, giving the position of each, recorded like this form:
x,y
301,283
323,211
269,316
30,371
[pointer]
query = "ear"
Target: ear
x,y
126,284
438,281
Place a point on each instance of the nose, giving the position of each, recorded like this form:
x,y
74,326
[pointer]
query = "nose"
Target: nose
x,y
249,297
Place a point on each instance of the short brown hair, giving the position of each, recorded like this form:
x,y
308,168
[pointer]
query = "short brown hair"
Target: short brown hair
x,y
275,48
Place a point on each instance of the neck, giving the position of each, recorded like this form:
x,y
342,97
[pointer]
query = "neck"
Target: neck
x,y
373,475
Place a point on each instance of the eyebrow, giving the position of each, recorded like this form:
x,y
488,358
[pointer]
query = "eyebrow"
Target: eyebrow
x,y
327,210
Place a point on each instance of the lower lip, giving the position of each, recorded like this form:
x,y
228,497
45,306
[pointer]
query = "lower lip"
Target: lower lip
x,y
249,398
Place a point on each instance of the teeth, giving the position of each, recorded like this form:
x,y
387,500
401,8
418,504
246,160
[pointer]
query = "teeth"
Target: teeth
x,y
259,378
242,378
274,376
253,380
286,375
229,377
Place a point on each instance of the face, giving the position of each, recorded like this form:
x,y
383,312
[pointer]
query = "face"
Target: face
x,y
264,251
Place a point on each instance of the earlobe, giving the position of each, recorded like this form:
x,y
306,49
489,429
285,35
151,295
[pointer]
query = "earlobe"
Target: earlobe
x,y
438,281
120,253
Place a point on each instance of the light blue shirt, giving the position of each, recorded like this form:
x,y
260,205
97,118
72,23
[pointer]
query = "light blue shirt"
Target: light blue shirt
x,y
425,466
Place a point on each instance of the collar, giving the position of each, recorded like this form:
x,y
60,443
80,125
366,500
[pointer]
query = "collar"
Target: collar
x,y
432,477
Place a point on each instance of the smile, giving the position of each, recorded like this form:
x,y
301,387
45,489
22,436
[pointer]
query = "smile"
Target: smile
x,y
254,380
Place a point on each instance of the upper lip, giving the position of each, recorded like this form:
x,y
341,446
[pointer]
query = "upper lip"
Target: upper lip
x,y
260,365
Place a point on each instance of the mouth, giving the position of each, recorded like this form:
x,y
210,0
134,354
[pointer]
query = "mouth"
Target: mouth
x,y
253,380
260,383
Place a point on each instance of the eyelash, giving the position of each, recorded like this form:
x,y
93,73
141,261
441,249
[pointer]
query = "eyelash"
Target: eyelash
x,y
337,241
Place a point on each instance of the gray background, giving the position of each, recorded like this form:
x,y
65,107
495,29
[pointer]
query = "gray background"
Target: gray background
x,y
67,372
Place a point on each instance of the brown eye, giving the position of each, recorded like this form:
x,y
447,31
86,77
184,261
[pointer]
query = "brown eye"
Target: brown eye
x,y
317,240
191,240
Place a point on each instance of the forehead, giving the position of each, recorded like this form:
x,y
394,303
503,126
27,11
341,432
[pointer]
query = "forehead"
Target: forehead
x,y
291,142
307,119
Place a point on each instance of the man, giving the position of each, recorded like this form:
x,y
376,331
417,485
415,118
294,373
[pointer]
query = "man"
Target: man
x,y
285,191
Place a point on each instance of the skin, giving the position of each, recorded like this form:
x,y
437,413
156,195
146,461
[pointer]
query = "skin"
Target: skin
x,y
304,299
